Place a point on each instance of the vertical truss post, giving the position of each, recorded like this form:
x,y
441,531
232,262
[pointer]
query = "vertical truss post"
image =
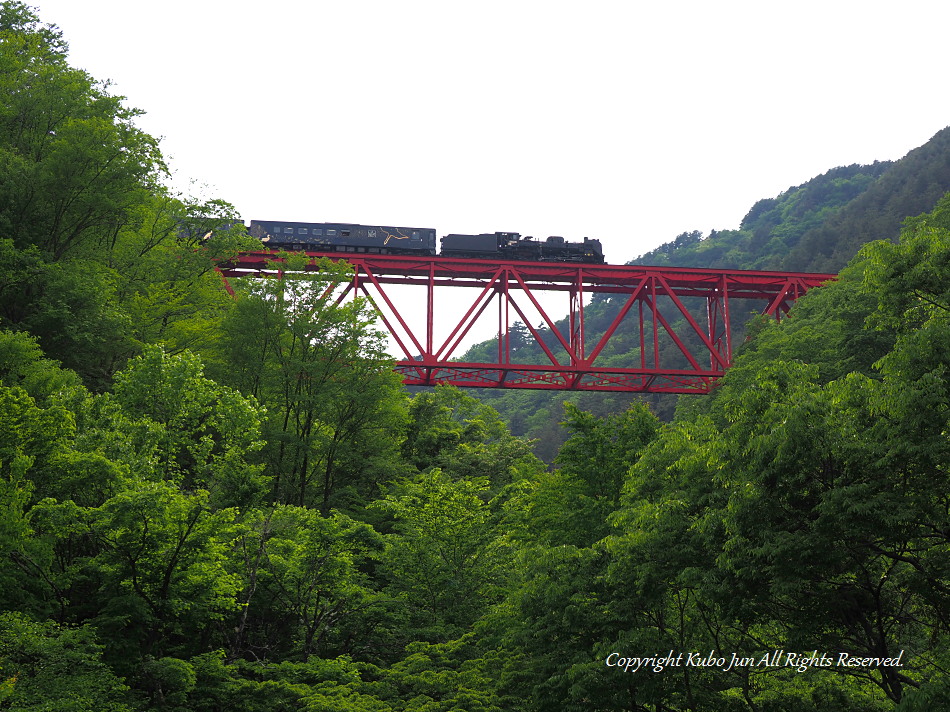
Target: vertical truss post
x,y
576,311
504,338
356,282
727,320
430,314
643,341
656,332
720,330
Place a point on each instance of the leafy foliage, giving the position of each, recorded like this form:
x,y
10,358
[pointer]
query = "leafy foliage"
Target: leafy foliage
x,y
47,667
320,371
209,433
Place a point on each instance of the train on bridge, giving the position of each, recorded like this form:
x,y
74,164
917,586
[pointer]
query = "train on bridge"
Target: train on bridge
x,y
378,239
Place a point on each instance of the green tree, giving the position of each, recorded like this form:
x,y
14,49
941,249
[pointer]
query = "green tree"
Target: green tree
x,y
69,307
75,166
334,406
23,364
445,556
305,586
49,667
97,256
210,433
442,677
166,261
163,564
571,505
450,430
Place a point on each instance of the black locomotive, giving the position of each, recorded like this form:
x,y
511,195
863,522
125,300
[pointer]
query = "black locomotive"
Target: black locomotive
x,y
373,239
511,246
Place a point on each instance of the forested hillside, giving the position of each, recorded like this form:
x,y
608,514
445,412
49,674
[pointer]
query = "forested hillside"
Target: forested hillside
x,y
217,504
814,227
820,225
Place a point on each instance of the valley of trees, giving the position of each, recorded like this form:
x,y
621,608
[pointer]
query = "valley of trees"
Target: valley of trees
x,y
214,504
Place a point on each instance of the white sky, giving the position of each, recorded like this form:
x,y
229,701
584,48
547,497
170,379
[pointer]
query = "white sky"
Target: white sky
x,y
625,121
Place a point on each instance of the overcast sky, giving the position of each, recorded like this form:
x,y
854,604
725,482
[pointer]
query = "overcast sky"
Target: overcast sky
x,y
625,121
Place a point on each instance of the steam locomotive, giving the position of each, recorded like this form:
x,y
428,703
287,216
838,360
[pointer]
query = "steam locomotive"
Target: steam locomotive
x,y
377,239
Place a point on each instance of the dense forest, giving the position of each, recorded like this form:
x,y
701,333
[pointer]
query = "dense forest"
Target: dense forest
x,y
219,504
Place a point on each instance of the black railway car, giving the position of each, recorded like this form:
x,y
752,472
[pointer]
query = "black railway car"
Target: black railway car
x,y
343,237
511,246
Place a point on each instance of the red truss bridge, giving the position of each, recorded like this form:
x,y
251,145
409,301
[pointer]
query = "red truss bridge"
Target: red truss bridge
x,y
677,322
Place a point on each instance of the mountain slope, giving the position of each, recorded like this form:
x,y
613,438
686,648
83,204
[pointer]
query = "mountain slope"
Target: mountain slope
x,y
814,227
912,186
819,225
